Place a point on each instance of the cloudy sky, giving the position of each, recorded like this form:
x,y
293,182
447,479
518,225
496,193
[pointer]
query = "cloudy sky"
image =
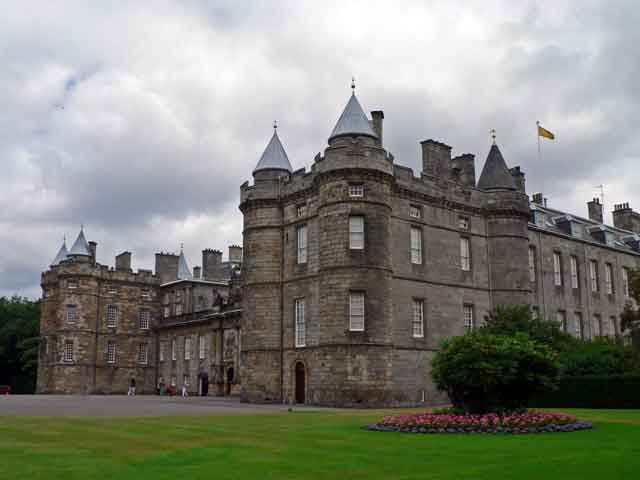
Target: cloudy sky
x,y
142,119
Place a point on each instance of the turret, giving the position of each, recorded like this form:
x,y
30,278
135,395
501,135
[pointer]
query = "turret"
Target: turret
x,y
80,251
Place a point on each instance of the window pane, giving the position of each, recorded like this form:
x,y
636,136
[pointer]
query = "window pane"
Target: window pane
x,y
356,311
302,244
465,258
356,233
300,334
416,245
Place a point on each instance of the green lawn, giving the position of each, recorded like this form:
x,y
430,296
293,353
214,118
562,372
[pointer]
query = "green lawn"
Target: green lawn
x,y
310,445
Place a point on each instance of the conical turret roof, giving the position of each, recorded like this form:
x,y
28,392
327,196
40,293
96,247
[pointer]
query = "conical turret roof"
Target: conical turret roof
x,y
184,273
80,246
495,174
62,254
274,156
353,121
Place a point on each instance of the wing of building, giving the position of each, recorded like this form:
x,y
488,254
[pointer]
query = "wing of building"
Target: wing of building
x,y
352,272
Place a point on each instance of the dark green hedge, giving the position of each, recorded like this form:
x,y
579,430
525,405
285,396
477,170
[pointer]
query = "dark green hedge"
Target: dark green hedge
x,y
593,391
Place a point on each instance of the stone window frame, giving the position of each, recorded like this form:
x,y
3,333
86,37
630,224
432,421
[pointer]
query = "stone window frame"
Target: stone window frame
x,y
415,211
532,264
174,350
468,316
597,325
301,210
302,244
561,319
608,279
415,246
360,296
558,279
594,276
174,380
574,270
72,284
417,318
578,324
354,236
202,347
111,352
69,351
145,294
625,282
178,308
185,380
535,312
144,319
72,314
187,347
111,289
299,322
356,190
465,260
464,223
142,356
161,346
613,325
112,315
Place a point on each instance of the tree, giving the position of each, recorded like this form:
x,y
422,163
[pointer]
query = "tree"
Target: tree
x,y
484,372
19,331
630,317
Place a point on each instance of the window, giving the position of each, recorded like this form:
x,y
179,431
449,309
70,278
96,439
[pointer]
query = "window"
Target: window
x,y
418,319
578,324
356,190
463,223
557,269
72,284
302,244
145,294
111,352
625,281
161,351
174,353
202,345
300,323
111,289
173,381
72,315
143,319
167,311
112,316
465,254
178,294
356,312
142,353
185,380
301,210
68,351
356,233
593,274
535,313
575,283
608,278
561,318
469,321
187,348
612,326
597,325
415,211
178,309
416,245
532,264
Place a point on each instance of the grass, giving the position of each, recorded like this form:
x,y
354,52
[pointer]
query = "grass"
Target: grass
x,y
309,445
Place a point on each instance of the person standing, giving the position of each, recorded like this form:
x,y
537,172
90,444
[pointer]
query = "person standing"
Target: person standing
x,y
132,387
184,390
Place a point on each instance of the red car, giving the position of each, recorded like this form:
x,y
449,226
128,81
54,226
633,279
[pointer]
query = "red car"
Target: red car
x,y
5,389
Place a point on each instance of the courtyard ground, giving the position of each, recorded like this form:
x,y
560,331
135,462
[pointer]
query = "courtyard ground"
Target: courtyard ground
x,y
226,440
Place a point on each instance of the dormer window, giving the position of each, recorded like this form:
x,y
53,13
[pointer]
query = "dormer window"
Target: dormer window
x,y
356,190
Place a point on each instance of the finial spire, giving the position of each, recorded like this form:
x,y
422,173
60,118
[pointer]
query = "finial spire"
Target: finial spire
x,y
181,246
275,125
493,135
353,85
82,227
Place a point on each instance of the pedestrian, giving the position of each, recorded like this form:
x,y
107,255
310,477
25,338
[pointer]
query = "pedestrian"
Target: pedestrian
x,y
132,387
184,390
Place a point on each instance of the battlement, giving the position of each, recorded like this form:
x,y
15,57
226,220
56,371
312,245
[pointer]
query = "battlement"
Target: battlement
x,y
100,272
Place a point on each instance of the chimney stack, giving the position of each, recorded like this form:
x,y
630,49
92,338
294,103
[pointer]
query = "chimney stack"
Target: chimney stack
x,y
518,178
235,254
465,164
436,158
211,264
93,247
595,210
624,217
123,261
377,118
167,266
196,273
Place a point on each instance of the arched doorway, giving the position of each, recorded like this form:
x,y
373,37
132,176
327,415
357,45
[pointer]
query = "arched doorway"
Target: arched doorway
x,y
301,393
229,380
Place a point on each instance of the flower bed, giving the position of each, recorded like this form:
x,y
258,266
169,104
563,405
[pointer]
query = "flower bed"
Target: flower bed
x,y
525,422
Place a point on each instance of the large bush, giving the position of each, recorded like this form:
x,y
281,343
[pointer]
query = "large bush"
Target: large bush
x,y
483,372
601,356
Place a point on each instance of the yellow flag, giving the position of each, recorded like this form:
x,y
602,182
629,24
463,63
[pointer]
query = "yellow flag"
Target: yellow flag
x,y
543,132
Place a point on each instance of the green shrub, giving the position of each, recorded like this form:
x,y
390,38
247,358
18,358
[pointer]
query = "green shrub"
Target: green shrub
x,y
592,391
601,356
483,372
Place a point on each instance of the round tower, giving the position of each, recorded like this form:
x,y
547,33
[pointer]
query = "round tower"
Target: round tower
x,y
261,355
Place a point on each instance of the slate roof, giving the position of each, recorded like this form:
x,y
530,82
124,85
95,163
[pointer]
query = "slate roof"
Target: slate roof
x,y
353,121
274,156
495,174
184,272
62,254
80,246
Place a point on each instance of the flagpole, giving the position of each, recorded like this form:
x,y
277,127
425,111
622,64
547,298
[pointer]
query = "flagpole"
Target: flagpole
x,y
538,135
